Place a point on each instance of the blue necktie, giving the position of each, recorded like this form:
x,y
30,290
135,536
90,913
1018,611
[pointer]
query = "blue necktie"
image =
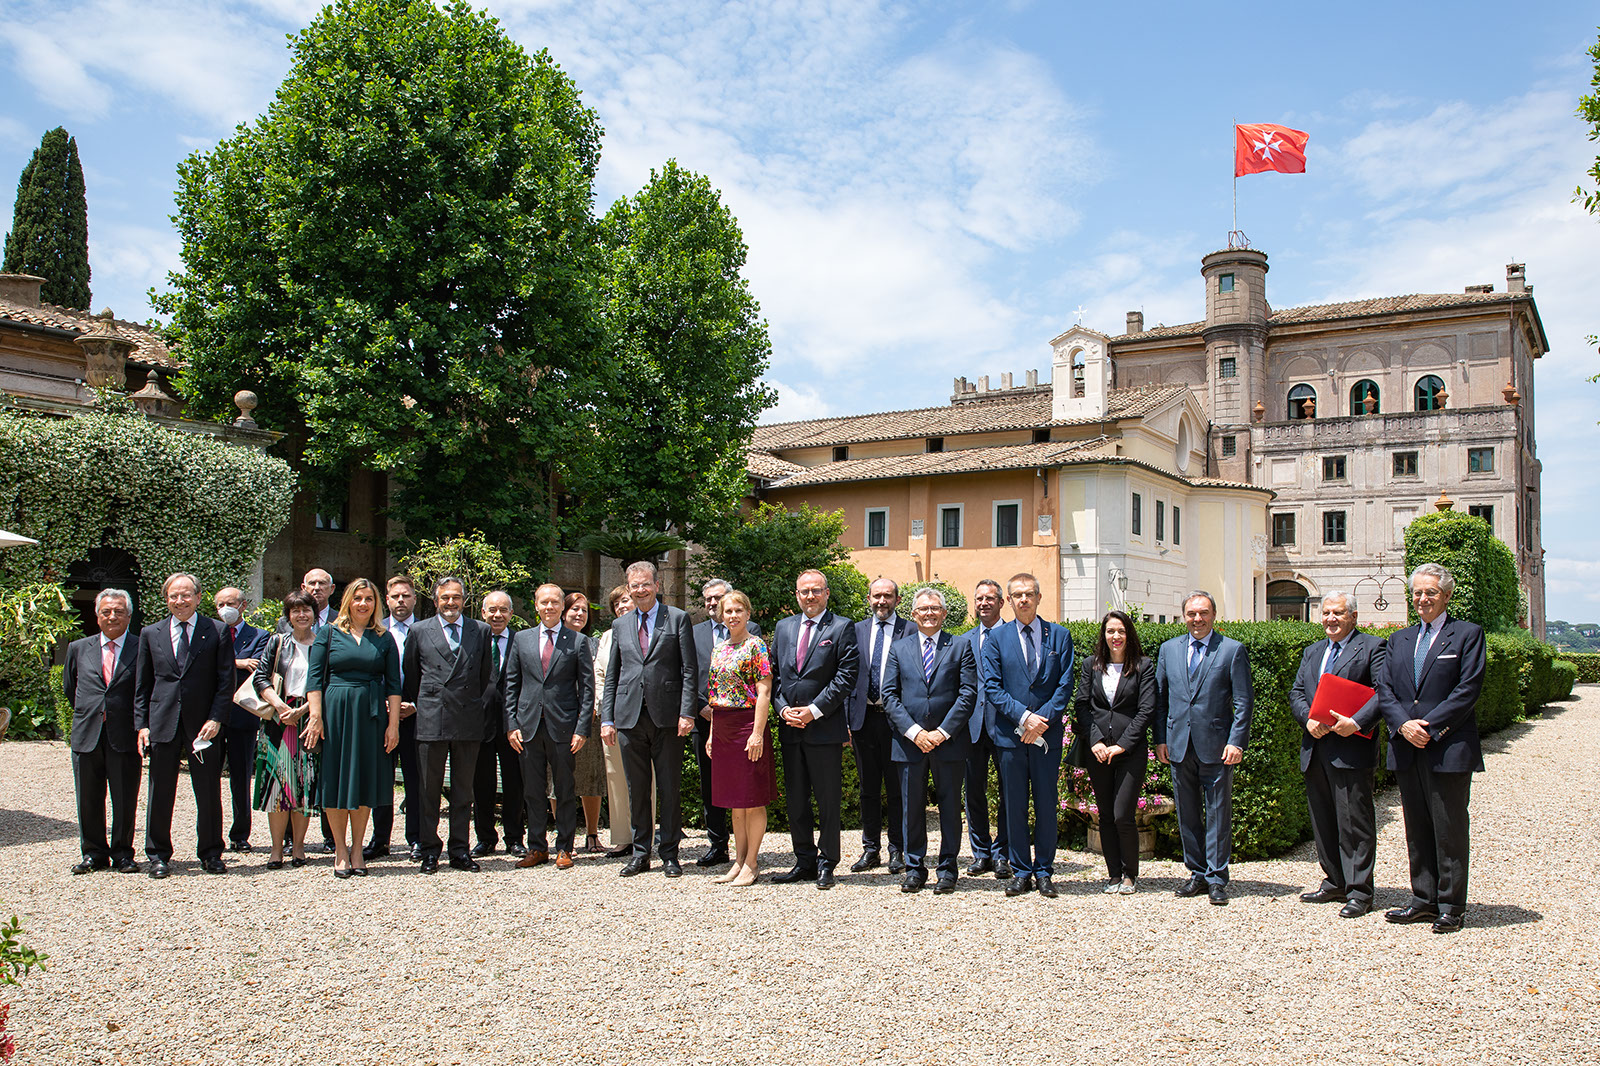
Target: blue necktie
x,y
1027,650
1197,655
1423,643
927,658
455,635
1333,657
873,696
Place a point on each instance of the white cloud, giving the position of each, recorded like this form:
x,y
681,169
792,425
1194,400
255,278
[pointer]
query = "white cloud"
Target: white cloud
x,y
796,403
57,75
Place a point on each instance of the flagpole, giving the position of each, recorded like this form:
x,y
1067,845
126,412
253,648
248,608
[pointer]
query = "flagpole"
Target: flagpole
x,y
1235,182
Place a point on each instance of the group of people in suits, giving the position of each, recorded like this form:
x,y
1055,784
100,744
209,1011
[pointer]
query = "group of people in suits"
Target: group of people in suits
x,y
913,702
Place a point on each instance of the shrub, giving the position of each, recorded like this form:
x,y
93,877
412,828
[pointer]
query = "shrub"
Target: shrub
x,y
1483,567
1587,664
955,621
1564,675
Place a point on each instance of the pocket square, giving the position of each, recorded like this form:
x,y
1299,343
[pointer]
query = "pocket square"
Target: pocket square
x,y
1452,655
824,644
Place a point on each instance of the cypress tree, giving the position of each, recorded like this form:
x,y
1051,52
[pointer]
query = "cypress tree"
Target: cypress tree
x,y
50,226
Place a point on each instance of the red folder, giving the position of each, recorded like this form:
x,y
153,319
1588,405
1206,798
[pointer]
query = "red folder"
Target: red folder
x,y
1335,693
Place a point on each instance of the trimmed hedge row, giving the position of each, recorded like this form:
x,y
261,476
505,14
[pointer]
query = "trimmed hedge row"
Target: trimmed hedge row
x,y
1587,664
1566,675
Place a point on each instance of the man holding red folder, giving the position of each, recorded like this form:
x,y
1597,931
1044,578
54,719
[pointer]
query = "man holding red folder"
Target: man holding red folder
x,y
1336,700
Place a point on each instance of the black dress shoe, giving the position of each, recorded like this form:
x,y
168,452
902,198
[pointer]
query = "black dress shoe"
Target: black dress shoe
x,y
1355,909
868,861
619,851
297,863
126,866
1408,915
159,870
715,857
913,881
1447,923
89,864
1192,887
374,851
897,861
328,848
213,866
825,879
635,867
980,866
274,864
1019,884
1047,887
795,874
1002,870
671,867
464,862
945,884
516,849
1321,895
415,854
430,864
1219,895
481,850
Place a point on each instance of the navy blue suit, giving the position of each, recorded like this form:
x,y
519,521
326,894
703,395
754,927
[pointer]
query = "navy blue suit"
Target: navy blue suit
x,y
1436,780
980,753
943,701
238,736
1029,770
1196,718
869,738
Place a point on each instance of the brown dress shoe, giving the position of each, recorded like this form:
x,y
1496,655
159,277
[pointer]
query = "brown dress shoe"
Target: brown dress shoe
x,y
533,858
563,860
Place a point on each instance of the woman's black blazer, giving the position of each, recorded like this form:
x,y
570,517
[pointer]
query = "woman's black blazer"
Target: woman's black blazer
x,y
1124,721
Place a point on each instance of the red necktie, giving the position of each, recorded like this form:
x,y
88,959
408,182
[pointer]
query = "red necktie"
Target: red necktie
x,y
644,633
108,659
549,650
805,645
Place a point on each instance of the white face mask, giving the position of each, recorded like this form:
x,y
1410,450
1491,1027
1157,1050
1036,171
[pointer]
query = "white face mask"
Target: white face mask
x,y
229,616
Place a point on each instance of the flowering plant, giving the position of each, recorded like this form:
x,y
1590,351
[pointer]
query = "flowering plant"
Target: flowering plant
x,y
1077,795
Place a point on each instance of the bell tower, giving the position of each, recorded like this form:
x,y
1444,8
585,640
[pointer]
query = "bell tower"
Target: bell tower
x,y
1236,347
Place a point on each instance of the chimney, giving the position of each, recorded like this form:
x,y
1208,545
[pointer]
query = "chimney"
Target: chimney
x,y
20,289
1005,381
1517,278
1478,288
983,383
1033,378
1135,322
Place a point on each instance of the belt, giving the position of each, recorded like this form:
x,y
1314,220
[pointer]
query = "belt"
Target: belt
x,y
377,694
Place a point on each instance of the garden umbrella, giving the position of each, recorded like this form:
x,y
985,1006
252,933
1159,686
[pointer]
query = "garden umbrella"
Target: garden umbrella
x,y
14,540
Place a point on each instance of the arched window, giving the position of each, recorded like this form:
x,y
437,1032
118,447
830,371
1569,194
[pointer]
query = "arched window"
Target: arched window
x,y
1430,394
1364,397
1302,402
1077,372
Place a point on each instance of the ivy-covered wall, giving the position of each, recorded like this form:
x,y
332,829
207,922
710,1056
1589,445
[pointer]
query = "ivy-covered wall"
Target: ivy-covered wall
x,y
173,500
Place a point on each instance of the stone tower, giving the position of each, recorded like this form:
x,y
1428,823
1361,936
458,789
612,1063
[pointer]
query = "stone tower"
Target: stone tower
x,y
1236,347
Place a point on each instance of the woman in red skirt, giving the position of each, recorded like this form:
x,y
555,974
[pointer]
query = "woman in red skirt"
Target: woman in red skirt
x,y
743,775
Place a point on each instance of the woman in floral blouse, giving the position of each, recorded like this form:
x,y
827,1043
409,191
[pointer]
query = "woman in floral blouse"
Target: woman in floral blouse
x,y
744,778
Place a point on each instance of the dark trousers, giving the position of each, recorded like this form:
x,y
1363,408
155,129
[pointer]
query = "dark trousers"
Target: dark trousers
x,y
1203,793
1032,773
1117,785
1345,827
239,749
94,774
877,774
547,761
498,755
463,755
647,748
716,818
814,770
411,776
913,788
1438,837
985,846
205,776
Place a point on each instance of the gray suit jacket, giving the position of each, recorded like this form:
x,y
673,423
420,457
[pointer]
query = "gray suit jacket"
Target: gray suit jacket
x,y
561,699
96,706
1362,661
1211,711
450,688
660,683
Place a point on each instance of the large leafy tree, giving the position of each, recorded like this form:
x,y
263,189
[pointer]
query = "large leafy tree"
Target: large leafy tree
x,y
687,350
398,257
763,553
49,235
1589,112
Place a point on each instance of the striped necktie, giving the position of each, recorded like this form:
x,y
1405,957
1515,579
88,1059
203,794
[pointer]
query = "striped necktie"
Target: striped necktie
x,y
927,658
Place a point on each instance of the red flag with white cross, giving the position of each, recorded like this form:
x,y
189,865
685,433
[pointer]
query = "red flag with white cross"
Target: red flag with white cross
x,y
1263,146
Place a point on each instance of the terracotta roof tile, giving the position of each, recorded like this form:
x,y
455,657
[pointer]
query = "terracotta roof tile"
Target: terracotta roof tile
x,y
149,348
769,467
962,461
1382,305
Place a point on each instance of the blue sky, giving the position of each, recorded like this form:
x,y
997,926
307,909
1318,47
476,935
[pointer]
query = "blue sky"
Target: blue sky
x,y
932,189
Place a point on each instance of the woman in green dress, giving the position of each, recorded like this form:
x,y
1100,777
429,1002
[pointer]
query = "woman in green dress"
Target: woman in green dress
x,y
353,692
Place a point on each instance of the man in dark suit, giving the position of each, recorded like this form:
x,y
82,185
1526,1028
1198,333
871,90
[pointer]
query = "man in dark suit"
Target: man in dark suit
x,y
499,766
447,673
708,636
401,596
876,769
929,691
182,695
1338,761
549,708
989,851
1428,693
814,669
1204,699
648,708
239,731
99,684
1027,676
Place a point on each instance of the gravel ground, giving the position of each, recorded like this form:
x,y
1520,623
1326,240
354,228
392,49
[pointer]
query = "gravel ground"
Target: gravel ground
x,y
293,966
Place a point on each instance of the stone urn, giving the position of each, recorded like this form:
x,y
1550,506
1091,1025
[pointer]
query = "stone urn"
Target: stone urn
x,y
1152,807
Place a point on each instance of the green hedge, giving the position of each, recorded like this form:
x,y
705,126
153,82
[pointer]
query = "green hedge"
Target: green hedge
x,y
1587,664
1566,675
1484,569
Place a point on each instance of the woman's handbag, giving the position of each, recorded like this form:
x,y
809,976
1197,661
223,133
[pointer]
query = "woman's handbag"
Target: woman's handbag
x,y
245,695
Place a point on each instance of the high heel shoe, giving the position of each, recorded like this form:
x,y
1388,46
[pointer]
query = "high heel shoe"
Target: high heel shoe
x,y
298,861
592,845
274,864
343,875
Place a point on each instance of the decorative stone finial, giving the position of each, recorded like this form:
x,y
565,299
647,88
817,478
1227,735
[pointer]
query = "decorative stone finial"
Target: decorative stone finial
x,y
1443,503
154,400
1511,394
105,353
246,402
1442,398
1258,412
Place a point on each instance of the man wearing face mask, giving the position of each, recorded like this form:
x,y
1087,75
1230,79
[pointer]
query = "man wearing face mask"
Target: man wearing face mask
x,y
238,739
